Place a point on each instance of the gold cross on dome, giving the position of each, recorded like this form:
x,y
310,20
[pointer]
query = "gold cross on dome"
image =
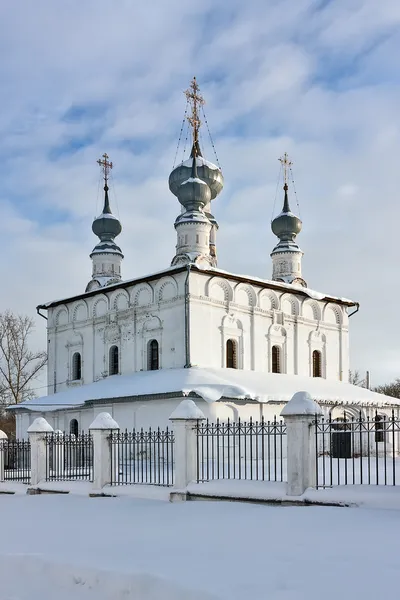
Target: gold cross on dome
x,y
286,164
105,166
195,100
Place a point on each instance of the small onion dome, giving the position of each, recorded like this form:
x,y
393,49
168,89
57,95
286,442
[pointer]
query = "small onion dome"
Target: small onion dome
x,y
194,193
106,226
207,171
286,225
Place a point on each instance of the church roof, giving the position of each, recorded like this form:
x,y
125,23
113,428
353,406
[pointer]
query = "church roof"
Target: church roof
x,y
211,385
264,283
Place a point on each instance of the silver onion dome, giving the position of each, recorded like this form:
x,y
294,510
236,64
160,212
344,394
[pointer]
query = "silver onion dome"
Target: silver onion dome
x,y
106,226
194,193
207,171
286,226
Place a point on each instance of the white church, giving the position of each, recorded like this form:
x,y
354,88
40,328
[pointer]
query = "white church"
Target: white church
x,y
240,346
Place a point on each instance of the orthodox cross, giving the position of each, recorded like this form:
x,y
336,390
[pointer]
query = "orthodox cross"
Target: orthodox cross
x,y
195,100
286,164
105,166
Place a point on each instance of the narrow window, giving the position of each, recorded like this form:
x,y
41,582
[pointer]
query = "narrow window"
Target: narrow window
x,y
379,428
113,361
316,358
197,238
276,359
76,366
73,427
186,239
231,354
153,356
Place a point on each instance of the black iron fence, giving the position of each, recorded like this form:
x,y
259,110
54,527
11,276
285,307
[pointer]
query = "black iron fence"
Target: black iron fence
x,y
357,450
69,456
16,455
142,457
253,450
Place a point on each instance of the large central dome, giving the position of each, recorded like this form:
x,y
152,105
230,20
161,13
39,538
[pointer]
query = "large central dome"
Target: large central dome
x,y
206,171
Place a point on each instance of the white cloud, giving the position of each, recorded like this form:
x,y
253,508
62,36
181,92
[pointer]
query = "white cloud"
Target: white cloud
x,y
320,83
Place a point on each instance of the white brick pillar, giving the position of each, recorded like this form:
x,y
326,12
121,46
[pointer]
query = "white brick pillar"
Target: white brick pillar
x,y
184,420
3,439
37,438
299,414
101,429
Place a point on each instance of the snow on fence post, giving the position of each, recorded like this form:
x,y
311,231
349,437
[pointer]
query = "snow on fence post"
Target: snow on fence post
x,y
299,414
3,438
101,429
184,420
37,437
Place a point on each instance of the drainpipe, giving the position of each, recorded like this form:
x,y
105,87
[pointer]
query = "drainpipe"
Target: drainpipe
x,y
187,319
40,314
354,311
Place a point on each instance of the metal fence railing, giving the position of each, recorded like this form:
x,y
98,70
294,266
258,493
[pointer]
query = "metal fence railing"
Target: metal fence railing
x,y
357,450
17,460
142,456
254,450
69,457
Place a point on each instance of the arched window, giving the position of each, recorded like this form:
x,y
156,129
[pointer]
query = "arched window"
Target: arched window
x,y
73,427
153,363
76,366
113,361
276,359
379,428
316,363
231,354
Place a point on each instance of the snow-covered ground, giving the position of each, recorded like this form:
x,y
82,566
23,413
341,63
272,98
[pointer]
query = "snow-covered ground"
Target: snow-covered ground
x,y
68,546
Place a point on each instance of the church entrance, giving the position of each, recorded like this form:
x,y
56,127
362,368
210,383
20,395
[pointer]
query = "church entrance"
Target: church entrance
x,y
341,440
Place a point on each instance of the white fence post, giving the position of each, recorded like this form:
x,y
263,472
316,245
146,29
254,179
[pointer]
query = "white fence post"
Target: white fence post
x,y
3,438
184,419
37,439
299,415
101,429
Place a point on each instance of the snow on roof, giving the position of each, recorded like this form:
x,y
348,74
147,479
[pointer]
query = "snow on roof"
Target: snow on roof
x,y
211,385
289,287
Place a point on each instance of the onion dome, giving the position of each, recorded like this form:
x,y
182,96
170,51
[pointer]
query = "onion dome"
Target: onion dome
x,y
207,171
286,225
194,193
106,226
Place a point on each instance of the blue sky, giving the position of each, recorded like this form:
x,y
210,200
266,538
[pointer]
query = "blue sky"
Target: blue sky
x,y
318,79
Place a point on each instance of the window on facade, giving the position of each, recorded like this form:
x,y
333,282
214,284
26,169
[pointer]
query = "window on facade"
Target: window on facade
x,y
379,428
73,427
197,238
231,354
153,356
113,361
76,366
316,359
276,359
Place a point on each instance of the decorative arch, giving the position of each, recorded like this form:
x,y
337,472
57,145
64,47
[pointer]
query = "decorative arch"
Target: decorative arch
x,y
152,331
290,305
80,311
100,306
120,300
143,295
245,295
311,310
167,289
333,314
61,317
268,300
219,289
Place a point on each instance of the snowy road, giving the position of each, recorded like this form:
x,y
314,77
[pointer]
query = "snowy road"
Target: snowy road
x,y
121,548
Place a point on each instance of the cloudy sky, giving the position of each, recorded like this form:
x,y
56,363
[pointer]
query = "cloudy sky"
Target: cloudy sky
x,y
319,79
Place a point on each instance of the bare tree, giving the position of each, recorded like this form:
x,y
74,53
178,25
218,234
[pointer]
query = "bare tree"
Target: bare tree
x,y
356,379
19,366
389,389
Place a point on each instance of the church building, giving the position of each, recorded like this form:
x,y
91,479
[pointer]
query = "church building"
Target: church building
x,y
239,345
